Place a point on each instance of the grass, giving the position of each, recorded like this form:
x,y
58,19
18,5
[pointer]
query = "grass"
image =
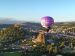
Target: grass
x,y
11,54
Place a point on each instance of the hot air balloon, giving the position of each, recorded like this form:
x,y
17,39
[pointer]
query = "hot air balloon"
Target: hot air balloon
x,y
47,22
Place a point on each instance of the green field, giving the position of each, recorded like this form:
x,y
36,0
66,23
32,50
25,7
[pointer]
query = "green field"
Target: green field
x,y
11,54
32,54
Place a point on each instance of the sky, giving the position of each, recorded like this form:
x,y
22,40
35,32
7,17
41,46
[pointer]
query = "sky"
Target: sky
x,y
33,10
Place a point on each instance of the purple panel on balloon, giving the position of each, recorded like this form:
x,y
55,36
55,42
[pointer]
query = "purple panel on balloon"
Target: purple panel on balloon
x,y
47,21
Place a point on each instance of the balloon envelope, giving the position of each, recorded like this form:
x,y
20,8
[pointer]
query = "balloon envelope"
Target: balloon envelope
x,y
47,21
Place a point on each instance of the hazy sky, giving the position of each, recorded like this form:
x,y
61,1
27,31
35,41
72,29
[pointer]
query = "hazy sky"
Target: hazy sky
x,y
33,10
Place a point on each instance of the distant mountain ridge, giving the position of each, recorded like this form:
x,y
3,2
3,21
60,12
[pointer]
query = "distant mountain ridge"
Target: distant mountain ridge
x,y
9,21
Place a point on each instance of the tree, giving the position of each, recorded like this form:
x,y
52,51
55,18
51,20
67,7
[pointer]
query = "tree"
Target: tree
x,y
12,34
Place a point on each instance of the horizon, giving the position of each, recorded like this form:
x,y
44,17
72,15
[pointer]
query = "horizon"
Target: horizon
x,y
31,10
9,20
